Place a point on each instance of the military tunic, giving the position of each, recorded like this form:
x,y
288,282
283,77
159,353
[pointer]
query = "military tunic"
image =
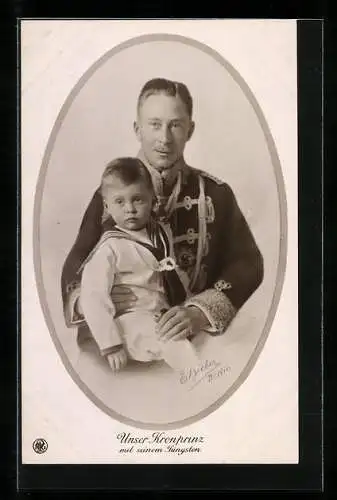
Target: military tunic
x,y
212,244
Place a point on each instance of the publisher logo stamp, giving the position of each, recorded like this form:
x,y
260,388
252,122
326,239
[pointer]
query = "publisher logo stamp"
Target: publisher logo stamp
x,y
40,445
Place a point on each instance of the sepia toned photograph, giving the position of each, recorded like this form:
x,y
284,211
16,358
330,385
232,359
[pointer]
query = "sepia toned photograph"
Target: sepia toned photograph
x,y
160,232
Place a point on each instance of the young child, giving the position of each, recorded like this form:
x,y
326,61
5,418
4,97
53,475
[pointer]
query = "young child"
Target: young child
x,y
133,251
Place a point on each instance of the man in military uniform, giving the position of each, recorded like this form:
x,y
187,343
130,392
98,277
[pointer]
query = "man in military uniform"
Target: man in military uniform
x,y
219,261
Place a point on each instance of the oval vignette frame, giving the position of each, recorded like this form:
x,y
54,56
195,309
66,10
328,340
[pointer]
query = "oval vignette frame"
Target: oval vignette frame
x,y
282,205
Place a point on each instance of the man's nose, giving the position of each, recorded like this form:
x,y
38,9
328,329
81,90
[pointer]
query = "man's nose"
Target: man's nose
x,y
165,134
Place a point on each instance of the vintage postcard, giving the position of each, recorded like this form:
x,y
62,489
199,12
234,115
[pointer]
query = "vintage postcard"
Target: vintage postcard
x,y
159,242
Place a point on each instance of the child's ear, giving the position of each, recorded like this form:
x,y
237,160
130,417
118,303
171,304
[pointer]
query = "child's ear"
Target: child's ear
x,y
155,203
154,207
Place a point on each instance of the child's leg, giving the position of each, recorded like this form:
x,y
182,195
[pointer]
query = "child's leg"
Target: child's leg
x,y
139,336
180,354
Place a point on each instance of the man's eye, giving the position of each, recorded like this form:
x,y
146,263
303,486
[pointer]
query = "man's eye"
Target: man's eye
x,y
176,124
118,201
155,125
138,199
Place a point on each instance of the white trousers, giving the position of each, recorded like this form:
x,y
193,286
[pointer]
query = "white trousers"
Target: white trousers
x,y
138,330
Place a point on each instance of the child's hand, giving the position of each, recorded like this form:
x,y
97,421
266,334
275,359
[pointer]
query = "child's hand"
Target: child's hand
x,y
117,360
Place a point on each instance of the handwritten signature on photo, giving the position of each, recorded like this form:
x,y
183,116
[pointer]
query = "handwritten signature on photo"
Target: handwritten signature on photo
x,y
208,371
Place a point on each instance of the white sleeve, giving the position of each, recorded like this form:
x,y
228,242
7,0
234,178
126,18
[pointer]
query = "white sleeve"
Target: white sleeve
x,y
98,309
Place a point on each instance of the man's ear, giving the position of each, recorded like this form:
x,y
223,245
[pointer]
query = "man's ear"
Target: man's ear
x,y
136,129
191,130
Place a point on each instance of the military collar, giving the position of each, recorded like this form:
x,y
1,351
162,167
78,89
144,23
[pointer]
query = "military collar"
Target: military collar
x,y
171,180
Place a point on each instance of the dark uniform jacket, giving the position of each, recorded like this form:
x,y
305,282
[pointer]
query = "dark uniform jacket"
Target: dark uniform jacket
x,y
212,241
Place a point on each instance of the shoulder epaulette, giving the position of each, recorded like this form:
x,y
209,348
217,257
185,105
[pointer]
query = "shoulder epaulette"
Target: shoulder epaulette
x,y
208,176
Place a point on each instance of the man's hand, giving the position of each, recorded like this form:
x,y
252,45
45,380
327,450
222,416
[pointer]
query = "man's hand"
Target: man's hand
x,y
123,298
181,322
117,360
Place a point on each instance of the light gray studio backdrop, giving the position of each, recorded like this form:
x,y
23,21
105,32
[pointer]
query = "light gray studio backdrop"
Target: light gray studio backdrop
x,y
230,142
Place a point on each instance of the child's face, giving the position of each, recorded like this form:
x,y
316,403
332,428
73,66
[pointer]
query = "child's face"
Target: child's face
x,y
129,205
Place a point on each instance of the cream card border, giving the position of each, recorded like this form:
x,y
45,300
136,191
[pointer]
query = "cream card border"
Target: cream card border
x,y
264,53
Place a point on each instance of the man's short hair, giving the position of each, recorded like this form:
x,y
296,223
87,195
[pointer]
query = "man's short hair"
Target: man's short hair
x,y
128,170
167,87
